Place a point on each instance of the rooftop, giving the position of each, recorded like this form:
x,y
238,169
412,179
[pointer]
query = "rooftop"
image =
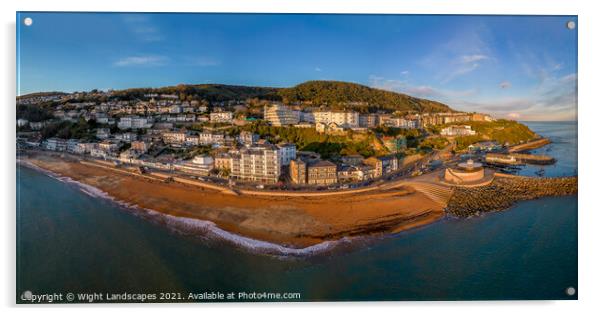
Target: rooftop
x,y
322,163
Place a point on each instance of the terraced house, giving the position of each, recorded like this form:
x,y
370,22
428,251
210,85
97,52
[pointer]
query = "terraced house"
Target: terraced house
x,y
321,172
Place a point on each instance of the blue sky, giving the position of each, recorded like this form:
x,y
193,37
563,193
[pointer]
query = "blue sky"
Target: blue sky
x,y
521,67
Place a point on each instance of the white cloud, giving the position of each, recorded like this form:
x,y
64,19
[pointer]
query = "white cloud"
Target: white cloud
x,y
157,60
463,65
149,61
472,58
375,78
405,72
465,51
202,61
554,100
569,78
420,91
459,71
142,27
535,64
318,69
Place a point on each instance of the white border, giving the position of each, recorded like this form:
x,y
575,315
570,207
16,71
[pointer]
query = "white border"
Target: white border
x,y
327,6
589,144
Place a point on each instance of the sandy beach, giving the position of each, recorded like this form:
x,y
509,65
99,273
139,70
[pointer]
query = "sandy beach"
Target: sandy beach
x,y
289,221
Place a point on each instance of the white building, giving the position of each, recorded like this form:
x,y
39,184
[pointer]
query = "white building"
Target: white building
x,y
328,128
287,152
221,117
55,144
127,137
134,122
400,122
209,138
103,133
248,138
108,146
458,130
344,119
101,118
280,115
72,145
175,109
84,148
174,137
36,126
98,153
260,163
191,140
22,122
200,165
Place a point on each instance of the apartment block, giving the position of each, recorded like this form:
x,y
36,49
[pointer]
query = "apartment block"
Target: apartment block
x,y
260,163
280,115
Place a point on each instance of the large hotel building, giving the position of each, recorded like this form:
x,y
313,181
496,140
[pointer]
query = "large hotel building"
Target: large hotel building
x,y
346,119
280,115
260,163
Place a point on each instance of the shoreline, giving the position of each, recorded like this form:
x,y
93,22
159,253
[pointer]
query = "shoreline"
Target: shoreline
x,y
290,222
186,225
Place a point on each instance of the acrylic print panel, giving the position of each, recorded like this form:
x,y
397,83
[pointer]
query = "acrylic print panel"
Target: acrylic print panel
x,y
295,157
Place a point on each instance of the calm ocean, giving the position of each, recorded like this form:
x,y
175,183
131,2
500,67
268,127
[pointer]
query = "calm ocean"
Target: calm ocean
x,y
69,240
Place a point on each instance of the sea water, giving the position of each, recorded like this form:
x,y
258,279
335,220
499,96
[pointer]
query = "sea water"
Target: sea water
x,y
563,147
70,239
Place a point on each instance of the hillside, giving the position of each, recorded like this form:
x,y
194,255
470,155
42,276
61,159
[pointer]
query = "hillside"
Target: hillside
x,y
209,92
40,94
337,94
333,94
501,131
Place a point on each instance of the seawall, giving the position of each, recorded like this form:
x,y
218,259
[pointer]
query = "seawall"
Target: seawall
x,y
529,145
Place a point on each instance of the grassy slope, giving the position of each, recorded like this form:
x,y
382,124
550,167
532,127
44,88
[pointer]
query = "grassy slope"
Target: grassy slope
x,y
337,94
502,131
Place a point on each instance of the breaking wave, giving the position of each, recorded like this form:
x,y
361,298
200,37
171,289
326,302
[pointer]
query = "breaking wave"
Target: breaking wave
x,y
210,230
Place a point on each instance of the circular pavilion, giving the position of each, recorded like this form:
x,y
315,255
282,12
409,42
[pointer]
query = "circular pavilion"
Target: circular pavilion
x,y
465,173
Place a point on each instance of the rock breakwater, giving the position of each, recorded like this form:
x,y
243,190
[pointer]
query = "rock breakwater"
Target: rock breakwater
x,y
505,191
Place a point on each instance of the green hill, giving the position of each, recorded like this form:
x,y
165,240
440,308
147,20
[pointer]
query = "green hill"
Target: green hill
x,y
337,94
502,131
40,94
332,94
209,92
